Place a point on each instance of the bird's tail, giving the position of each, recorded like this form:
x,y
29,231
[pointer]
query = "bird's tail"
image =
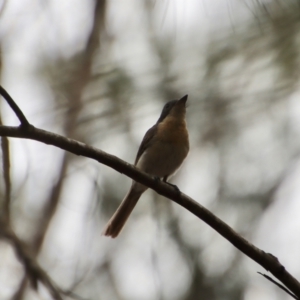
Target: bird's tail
x,y
119,218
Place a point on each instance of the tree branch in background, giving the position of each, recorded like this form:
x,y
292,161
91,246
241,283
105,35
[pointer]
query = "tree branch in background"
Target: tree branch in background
x,y
6,174
267,261
77,82
32,269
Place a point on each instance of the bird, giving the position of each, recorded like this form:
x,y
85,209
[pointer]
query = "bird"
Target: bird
x,y
161,153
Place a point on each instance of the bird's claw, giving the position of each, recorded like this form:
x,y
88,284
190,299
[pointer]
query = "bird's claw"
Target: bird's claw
x,y
175,187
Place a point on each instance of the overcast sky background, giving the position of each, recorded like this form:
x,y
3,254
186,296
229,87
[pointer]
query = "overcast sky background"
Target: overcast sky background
x,y
32,31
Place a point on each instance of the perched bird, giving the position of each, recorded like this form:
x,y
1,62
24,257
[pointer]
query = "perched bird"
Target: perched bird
x,y
162,151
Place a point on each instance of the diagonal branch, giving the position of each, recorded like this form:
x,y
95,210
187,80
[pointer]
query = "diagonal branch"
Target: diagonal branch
x,y
14,107
27,131
33,270
268,261
279,285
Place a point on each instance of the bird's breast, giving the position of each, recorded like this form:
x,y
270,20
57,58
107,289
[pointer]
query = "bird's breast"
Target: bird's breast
x,y
173,131
168,149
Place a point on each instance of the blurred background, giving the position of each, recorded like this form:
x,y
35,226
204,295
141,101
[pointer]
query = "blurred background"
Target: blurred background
x,y
100,72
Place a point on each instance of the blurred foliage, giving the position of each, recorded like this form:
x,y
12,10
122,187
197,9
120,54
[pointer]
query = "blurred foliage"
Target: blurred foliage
x,y
241,83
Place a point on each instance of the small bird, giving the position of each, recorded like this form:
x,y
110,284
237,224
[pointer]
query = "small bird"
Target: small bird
x,y
162,151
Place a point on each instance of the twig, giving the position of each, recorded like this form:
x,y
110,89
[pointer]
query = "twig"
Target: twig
x,y
279,285
33,270
14,107
6,175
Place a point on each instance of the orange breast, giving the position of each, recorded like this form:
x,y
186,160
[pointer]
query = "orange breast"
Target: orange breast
x,y
173,130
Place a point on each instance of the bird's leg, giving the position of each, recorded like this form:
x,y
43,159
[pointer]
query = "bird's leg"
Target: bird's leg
x,y
156,178
173,185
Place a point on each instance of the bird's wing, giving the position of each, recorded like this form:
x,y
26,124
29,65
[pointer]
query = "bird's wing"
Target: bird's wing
x,y
146,142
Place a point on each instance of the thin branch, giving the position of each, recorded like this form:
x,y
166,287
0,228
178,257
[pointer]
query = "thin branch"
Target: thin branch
x,y
268,261
279,285
50,207
6,175
18,295
14,107
33,270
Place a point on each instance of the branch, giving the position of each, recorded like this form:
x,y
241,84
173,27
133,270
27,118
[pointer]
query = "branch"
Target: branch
x,y
267,261
6,175
279,285
14,107
33,270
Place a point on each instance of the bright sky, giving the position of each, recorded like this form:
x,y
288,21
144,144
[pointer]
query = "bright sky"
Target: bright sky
x,y
31,29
